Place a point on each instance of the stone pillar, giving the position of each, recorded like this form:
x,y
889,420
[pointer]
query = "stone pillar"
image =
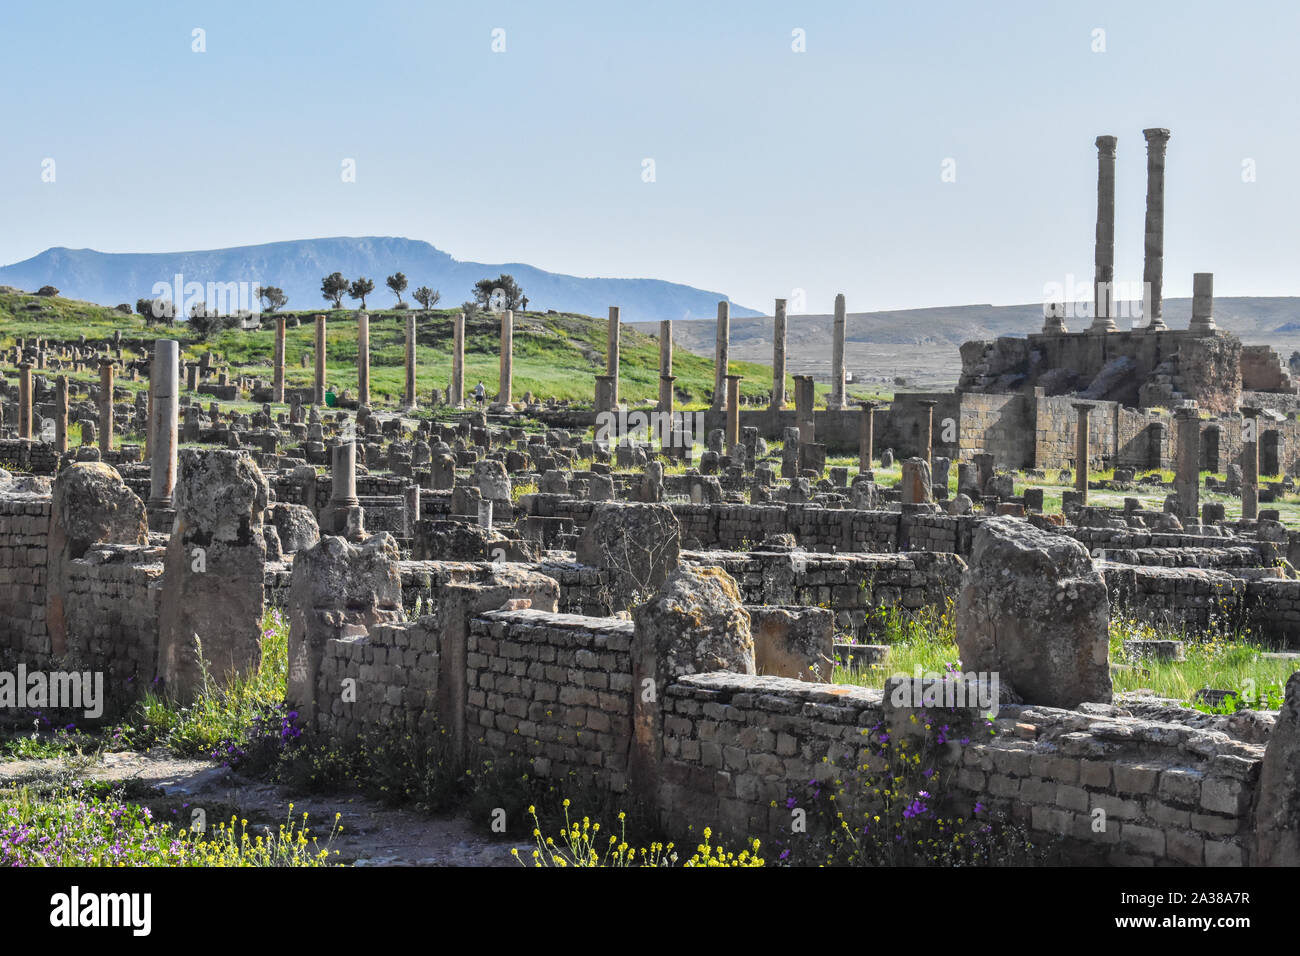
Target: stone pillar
x,y
1081,452
343,507
611,356
916,486
214,570
277,362
927,431
604,395
25,399
1202,304
1054,319
778,357
804,416
1187,461
866,436
410,401
836,400
721,356
507,356
363,358
191,375
1153,268
164,410
1103,298
61,415
666,392
1249,462
733,411
457,396
318,394
105,405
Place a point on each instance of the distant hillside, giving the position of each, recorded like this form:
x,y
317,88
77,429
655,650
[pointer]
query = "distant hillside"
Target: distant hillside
x,y
921,345
298,266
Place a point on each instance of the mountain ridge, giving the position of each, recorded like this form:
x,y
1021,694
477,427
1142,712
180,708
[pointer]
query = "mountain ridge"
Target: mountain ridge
x,y
298,265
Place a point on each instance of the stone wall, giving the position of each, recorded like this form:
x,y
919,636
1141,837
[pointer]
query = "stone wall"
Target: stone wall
x,y
24,538
737,747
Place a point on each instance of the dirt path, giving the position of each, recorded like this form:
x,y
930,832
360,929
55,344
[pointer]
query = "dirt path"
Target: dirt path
x,y
373,834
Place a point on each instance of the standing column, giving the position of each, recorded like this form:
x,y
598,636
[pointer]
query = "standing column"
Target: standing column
x,y
164,410
363,358
1187,462
611,357
1249,462
778,357
1153,268
343,489
1103,298
410,361
25,399
61,415
721,356
318,395
105,405
148,410
733,411
804,417
1202,304
666,393
666,365
927,432
837,356
1081,452
507,355
866,436
277,362
457,397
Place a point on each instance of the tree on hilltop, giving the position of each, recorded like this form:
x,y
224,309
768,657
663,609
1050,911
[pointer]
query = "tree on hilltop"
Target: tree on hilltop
x,y
397,283
334,287
427,297
360,289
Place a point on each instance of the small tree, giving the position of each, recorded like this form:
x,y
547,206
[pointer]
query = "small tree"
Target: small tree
x,y
397,282
469,308
334,287
360,289
498,294
272,297
427,297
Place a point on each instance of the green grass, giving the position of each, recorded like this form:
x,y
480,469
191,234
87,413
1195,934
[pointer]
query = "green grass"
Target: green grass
x,y
1222,657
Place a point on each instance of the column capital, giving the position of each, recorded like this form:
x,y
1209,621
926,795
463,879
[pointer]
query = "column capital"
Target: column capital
x,y
1156,136
1082,407
1107,143
927,402
1250,411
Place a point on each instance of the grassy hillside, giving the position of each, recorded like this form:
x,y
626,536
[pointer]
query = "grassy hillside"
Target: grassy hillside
x,y
554,355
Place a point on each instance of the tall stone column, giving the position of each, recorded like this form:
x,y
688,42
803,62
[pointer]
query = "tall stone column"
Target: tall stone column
x,y
318,394
836,400
343,503
867,436
666,347
61,416
721,356
611,356
666,392
164,411
778,356
804,417
457,397
927,432
25,399
1202,304
105,405
1081,452
1249,462
1153,268
410,401
277,362
1103,299
363,358
1187,462
733,411
507,356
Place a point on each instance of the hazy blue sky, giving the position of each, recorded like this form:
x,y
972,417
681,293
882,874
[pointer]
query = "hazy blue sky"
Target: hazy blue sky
x,y
774,170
